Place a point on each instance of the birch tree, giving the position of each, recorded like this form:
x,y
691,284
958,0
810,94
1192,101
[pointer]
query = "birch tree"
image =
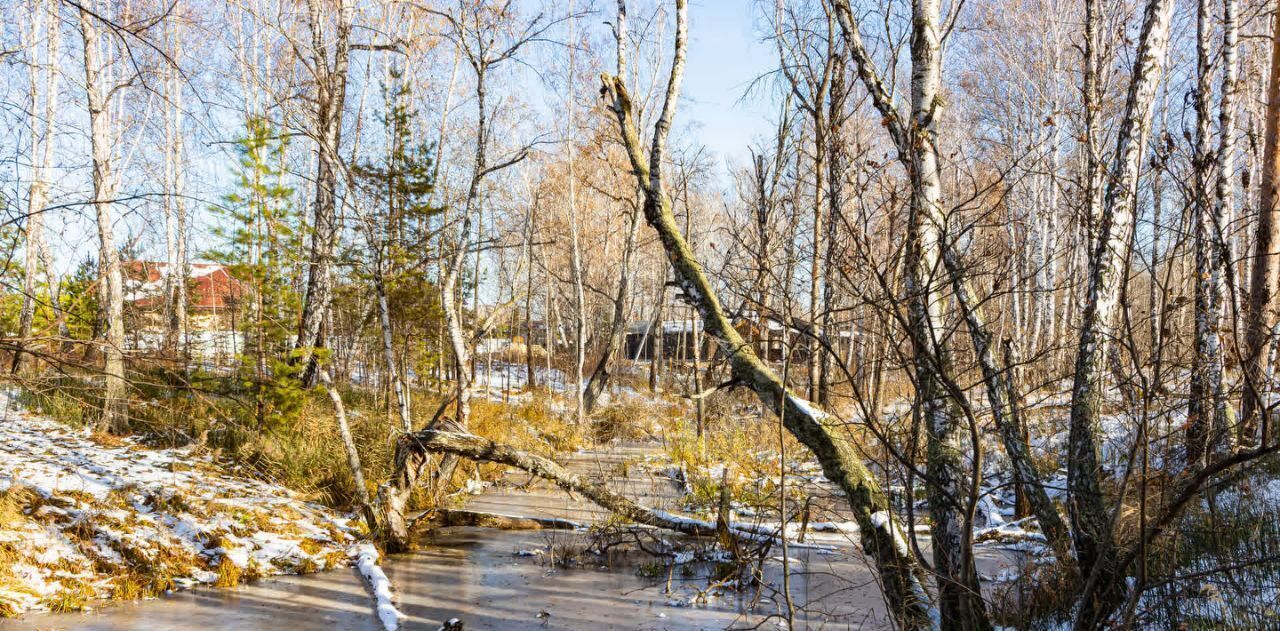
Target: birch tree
x,y
1090,520
101,84
901,576
44,36
174,204
330,78
487,36
915,138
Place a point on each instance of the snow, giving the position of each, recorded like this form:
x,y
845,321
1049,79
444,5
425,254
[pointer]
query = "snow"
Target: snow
x,y
367,562
88,513
746,531
806,408
884,522
502,376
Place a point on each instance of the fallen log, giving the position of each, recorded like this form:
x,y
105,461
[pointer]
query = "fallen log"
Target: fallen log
x,y
459,517
417,445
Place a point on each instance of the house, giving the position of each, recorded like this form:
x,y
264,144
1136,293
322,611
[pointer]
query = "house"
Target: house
x,y
214,298
768,337
678,338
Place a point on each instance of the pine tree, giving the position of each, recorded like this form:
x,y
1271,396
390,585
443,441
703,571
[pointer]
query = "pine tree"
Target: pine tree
x,y
260,231
401,185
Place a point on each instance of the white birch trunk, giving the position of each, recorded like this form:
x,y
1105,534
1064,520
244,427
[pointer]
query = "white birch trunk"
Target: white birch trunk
x,y
97,66
44,108
1110,253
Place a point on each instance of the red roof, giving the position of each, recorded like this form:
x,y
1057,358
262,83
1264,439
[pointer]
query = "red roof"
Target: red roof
x,y
212,286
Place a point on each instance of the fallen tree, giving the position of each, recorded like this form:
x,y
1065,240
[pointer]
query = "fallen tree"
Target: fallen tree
x,y
902,577
422,443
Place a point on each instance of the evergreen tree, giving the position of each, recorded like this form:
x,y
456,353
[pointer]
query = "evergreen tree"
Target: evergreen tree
x,y
402,183
260,231
401,186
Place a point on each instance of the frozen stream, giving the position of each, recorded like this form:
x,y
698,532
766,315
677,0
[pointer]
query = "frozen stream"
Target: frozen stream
x,y
504,579
476,574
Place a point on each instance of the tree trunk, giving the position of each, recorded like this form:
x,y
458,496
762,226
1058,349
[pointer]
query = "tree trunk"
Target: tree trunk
x,y
960,600
461,444
331,90
349,447
959,594
110,278
175,277
1223,209
1001,393
1206,411
1110,254
579,294
394,376
1266,267
882,539
44,101
618,328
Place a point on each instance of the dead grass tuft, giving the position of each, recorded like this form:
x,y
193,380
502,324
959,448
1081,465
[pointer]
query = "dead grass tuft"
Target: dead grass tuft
x,y
16,503
229,574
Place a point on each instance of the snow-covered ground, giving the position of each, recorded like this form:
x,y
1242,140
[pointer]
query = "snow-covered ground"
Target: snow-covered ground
x,y
81,521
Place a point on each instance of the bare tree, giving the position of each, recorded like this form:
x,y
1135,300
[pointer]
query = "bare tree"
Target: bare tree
x,y
101,85
331,89
1261,318
487,36
44,74
1091,523
175,207
901,576
927,224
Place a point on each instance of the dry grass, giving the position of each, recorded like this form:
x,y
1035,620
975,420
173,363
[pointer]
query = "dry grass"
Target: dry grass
x,y
229,574
74,596
15,503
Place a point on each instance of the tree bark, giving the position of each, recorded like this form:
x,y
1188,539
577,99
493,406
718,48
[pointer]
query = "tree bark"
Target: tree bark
x,y
331,90
110,278
960,600
579,294
175,278
44,108
882,539
1265,269
1204,408
1001,395
1090,519
618,328
464,445
349,447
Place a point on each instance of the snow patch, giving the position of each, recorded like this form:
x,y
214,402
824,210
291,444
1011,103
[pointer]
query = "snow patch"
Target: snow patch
x,y
367,562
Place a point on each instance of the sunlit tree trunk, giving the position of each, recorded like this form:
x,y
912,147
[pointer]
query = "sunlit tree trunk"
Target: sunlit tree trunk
x,y
1265,268
174,205
331,90
98,82
948,483
1099,326
1206,412
43,69
882,539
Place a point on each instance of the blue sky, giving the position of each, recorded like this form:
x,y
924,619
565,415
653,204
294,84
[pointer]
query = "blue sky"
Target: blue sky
x,y
725,55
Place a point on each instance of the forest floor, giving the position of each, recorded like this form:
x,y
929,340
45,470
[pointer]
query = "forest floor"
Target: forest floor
x,y
82,511
86,518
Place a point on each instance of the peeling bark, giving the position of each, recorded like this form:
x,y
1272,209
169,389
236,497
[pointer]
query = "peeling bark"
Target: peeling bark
x,y
1090,518
331,90
110,277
